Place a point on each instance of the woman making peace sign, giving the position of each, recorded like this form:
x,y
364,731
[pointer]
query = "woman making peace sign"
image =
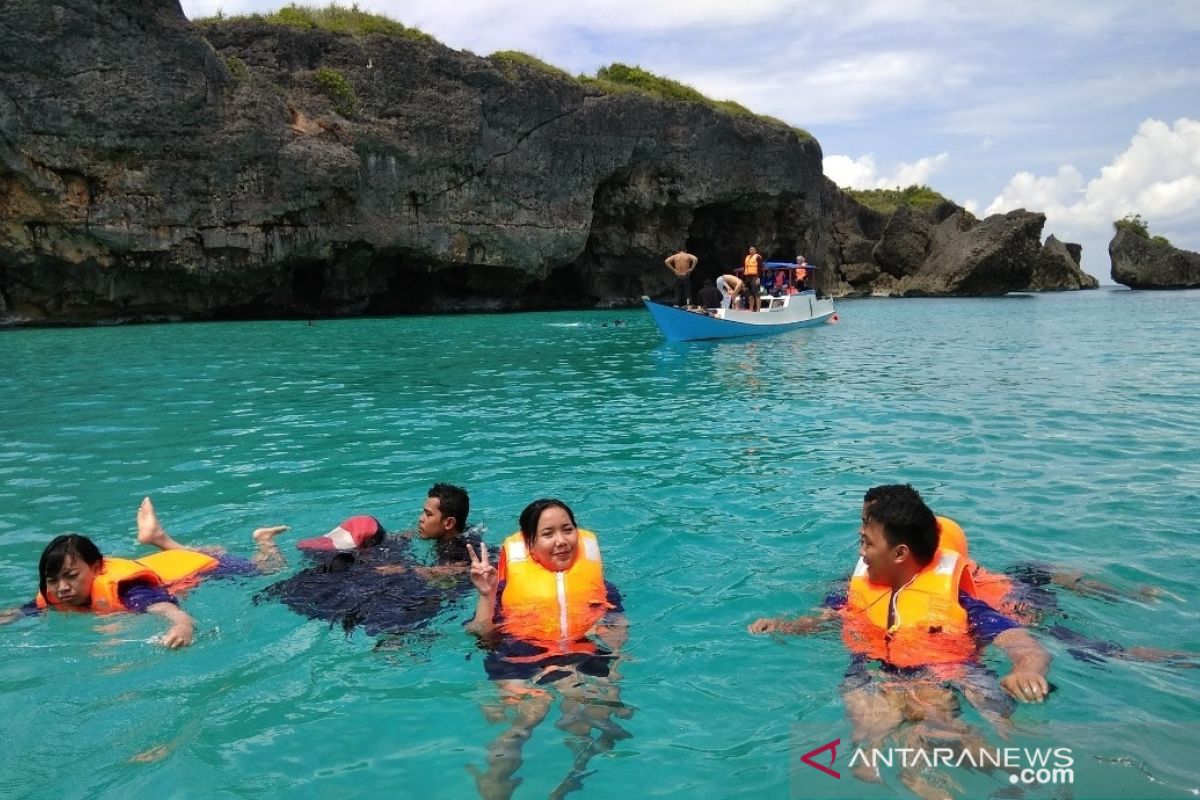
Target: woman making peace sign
x,y
539,607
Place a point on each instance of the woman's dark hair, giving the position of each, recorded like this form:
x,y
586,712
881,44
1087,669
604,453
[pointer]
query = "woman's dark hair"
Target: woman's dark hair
x,y
533,512
60,547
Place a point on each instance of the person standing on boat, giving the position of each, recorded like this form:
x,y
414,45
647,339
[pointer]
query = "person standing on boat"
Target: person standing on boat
x,y
682,264
730,287
752,268
801,274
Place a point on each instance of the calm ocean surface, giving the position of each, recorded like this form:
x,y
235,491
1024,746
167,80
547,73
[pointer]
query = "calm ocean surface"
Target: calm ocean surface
x,y
724,481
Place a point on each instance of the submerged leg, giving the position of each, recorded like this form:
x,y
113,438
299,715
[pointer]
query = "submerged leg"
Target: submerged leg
x,y
588,707
504,753
874,713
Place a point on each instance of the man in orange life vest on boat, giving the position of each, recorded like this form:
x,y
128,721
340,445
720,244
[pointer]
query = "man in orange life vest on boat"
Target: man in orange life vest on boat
x,y
915,628
752,267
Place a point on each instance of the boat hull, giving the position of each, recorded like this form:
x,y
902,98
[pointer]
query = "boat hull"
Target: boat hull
x,y
796,311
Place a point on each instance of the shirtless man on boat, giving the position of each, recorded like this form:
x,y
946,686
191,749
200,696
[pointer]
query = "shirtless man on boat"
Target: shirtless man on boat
x,y
682,263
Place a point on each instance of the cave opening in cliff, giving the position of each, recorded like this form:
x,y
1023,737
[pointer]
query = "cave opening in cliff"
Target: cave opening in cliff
x,y
308,286
721,233
414,287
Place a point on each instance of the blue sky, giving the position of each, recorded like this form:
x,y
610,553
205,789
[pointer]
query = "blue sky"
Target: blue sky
x,y
1085,111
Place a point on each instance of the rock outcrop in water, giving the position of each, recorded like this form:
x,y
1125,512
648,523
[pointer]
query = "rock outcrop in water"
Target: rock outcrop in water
x,y
1142,263
1057,268
151,168
945,250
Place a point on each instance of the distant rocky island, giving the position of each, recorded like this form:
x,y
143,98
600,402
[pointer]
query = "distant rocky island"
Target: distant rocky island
x,y
1142,261
305,165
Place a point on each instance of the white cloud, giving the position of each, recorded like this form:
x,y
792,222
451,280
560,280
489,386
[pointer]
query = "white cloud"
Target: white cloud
x,y
851,173
861,172
1157,176
1026,190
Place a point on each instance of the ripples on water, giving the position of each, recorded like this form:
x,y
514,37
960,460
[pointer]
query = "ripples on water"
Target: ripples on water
x,y
724,480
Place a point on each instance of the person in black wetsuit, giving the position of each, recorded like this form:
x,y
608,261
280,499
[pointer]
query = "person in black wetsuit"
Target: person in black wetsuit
x,y
364,577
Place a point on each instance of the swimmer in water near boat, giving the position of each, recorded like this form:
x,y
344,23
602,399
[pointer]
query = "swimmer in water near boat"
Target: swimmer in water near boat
x,y
553,626
1021,594
73,575
365,577
916,634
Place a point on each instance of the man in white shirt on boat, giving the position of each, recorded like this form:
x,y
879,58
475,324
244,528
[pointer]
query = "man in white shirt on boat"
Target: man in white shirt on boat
x,y
730,287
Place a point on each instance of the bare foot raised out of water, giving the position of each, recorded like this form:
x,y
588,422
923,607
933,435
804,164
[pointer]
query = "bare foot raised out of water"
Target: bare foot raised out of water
x,y
264,535
149,531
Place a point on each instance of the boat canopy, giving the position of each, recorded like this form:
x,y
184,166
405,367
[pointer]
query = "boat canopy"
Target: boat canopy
x,y
785,265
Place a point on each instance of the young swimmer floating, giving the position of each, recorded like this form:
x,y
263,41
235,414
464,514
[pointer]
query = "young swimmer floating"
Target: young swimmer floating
x,y
73,575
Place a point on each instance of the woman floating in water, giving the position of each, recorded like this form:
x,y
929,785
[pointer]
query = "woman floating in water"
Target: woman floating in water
x,y
73,575
538,608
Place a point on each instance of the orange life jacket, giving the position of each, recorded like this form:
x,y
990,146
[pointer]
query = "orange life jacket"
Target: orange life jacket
x,y
930,626
751,264
554,610
174,568
992,588
801,272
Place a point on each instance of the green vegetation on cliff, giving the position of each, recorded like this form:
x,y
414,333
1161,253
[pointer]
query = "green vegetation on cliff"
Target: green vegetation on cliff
x,y
886,201
237,68
1137,225
614,79
332,18
647,83
512,58
339,90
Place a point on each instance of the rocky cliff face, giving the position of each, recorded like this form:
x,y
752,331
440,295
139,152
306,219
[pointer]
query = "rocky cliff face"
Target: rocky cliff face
x,y
946,251
142,177
1141,263
1057,268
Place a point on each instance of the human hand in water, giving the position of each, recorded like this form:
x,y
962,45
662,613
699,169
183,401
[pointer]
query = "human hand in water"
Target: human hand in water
x,y
178,635
781,625
483,574
1026,686
764,625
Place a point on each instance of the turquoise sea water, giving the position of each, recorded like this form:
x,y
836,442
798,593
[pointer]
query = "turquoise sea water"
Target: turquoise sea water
x,y
724,480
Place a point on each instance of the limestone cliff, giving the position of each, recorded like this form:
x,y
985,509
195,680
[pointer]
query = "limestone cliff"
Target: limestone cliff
x,y
1142,263
1057,268
944,250
152,168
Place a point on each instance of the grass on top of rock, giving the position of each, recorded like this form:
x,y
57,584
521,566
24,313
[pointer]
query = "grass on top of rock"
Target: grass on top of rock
x,y
617,78
512,58
332,18
1137,225
886,201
